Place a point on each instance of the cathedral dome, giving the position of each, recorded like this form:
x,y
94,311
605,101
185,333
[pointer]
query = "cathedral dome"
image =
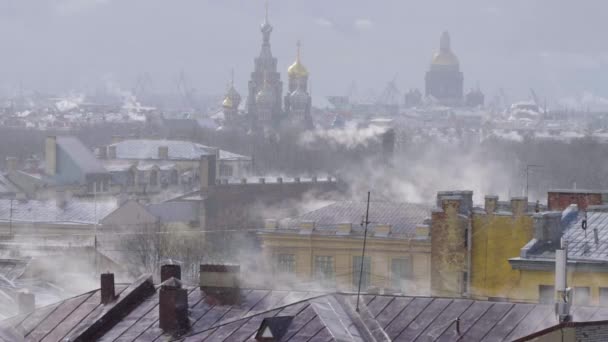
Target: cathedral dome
x,y
297,69
227,103
445,56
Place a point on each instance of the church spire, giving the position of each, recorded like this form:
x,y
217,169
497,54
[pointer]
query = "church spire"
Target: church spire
x,y
444,42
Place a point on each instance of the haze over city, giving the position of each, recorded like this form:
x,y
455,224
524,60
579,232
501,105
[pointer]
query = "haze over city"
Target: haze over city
x,y
303,171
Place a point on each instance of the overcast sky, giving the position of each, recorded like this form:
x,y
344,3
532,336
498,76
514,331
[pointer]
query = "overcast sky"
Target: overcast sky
x,y
556,47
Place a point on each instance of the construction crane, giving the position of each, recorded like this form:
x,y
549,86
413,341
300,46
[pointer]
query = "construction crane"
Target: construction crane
x,y
534,97
186,92
143,85
390,95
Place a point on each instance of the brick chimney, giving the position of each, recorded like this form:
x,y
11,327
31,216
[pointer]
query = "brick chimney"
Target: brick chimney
x,y
108,294
170,271
561,199
519,206
207,170
221,283
26,302
102,152
173,307
50,155
112,152
11,164
491,204
163,152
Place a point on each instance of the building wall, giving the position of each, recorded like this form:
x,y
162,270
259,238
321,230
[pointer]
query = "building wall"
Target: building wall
x,y
526,287
448,251
496,238
343,249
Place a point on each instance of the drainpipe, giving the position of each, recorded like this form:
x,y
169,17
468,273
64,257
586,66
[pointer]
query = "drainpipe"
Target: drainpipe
x,y
469,243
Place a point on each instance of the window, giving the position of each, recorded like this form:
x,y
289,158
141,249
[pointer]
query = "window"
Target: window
x,y
546,294
324,268
365,280
604,296
153,177
286,263
173,178
226,170
401,270
582,296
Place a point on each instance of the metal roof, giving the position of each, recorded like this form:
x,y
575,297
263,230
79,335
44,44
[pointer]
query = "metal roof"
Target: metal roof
x,y
324,317
177,149
80,154
403,217
75,211
581,245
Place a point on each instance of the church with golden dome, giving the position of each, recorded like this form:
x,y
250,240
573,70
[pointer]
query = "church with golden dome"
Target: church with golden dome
x,y
264,105
444,80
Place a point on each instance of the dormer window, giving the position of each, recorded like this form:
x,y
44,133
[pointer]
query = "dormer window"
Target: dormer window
x,y
273,329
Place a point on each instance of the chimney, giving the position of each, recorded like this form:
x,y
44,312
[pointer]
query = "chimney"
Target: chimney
x,y
271,224
344,228
50,154
422,231
163,152
112,152
102,152
519,206
561,199
11,164
466,202
220,283
207,170
296,179
116,139
388,144
108,293
243,180
314,179
547,227
170,271
262,180
306,227
173,307
26,302
61,198
562,292
280,180
382,230
491,204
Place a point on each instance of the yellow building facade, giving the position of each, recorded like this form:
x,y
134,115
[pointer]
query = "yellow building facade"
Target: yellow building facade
x,y
318,253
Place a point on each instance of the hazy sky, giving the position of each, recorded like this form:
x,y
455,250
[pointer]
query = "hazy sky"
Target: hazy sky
x,y
556,47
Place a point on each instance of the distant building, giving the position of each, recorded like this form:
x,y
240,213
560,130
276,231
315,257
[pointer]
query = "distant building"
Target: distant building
x,y
297,100
264,104
444,80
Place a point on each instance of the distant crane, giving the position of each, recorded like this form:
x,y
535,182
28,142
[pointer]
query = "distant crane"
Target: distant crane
x,y
390,95
143,85
186,92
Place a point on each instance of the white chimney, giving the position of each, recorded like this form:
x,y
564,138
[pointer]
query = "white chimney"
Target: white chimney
x,y
562,292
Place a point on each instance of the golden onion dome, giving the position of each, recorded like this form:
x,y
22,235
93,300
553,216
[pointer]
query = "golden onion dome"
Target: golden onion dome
x,y
227,103
445,58
297,69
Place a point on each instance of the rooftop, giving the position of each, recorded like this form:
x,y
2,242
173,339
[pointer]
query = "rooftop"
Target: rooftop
x,y
177,149
80,154
402,217
74,211
315,316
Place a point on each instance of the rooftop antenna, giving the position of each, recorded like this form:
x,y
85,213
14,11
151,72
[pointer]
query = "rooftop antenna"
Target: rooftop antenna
x,y
366,222
528,167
